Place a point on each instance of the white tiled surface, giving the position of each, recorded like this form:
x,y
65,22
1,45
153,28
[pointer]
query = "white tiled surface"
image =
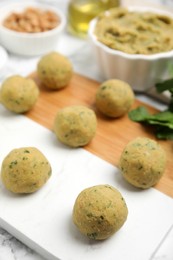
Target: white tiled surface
x,y
80,54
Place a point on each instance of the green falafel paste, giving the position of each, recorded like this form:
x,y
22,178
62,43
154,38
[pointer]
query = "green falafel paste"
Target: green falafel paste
x,y
135,32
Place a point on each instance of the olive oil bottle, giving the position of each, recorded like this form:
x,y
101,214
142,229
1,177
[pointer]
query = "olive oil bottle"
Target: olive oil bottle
x,y
81,12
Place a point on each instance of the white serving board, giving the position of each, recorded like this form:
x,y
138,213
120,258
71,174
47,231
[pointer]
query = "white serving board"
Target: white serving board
x,y
43,221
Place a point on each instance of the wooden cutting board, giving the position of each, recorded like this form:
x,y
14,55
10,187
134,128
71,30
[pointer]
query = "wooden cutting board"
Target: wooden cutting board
x,y
112,134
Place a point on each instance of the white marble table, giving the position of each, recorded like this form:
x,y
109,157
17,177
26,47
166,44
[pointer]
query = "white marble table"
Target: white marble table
x,y
80,53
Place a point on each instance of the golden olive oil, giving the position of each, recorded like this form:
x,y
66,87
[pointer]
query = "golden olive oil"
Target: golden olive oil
x,y
81,12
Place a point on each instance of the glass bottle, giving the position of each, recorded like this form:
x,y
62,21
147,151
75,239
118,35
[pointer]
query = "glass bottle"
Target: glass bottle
x,y
81,12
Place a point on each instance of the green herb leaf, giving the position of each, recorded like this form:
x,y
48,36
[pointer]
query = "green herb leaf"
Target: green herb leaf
x,y
165,85
139,114
164,133
162,120
156,122
170,107
163,116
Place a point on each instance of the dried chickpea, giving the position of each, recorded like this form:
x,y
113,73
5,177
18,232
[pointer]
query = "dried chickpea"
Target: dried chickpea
x,y
32,20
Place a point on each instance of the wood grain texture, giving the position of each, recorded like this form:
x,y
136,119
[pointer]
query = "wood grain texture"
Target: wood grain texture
x,y
112,134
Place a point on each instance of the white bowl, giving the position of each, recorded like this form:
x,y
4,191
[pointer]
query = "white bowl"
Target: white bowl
x,y
140,71
29,44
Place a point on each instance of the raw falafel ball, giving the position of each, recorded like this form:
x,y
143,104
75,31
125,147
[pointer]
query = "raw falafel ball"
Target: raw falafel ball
x,y
99,211
114,98
142,162
54,70
25,170
75,125
19,94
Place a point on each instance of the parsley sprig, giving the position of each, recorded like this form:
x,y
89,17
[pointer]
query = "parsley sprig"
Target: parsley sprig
x,y
161,121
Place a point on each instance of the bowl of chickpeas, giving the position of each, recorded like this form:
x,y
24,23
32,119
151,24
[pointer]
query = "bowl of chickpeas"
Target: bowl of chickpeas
x,y
31,28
